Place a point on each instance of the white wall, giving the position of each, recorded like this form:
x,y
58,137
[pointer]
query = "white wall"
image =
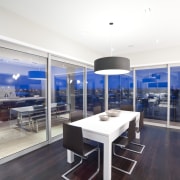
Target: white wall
x,y
156,57
15,27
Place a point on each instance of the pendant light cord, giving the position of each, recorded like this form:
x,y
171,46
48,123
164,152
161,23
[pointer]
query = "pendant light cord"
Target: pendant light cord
x,y
111,49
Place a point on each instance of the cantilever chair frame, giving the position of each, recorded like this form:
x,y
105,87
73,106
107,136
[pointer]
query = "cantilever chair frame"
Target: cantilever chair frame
x,y
78,130
134,143
133,161
137,131
137,144
125,142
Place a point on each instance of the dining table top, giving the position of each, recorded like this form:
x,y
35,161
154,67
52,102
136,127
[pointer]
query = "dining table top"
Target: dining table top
x,y
94,123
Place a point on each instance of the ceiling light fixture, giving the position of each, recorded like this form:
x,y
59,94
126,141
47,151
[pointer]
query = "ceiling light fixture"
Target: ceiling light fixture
x,y
16,76
37,75
112,65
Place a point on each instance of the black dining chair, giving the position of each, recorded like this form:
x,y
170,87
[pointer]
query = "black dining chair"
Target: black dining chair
x,y
126,107
76,115
138,130
141,121
73,140
123,142
97,109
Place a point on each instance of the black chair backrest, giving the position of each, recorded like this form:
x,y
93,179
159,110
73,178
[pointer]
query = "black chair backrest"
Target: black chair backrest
x,y
76,115
132,130
73,138
127,107
96,109
141,121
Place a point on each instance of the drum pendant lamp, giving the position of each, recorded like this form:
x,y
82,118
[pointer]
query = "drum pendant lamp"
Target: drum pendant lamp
x,y
111,65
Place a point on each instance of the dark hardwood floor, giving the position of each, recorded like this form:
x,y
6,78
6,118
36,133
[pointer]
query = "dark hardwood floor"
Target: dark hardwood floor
x,y
159,161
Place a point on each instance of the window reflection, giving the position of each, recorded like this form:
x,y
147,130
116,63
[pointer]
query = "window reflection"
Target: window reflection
x,y
151,94
95,91
174,96
67,83
19,94
120,89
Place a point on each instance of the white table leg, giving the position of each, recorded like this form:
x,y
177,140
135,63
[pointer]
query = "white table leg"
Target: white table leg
x,y
70,156
107,161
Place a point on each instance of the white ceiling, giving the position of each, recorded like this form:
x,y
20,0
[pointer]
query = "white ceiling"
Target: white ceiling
x,y
139,25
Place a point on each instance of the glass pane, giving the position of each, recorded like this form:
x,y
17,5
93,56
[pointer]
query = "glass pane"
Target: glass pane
x,y
76,81
22,101
66,94
175,101
95,91
152,94
120,89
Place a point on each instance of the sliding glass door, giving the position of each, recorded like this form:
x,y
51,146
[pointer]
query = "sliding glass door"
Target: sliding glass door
x,y
95,91
22,93
175,96
67,83
151,94
120,90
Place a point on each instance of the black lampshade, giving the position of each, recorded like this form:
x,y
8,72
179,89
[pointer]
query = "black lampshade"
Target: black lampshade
x,y
111,65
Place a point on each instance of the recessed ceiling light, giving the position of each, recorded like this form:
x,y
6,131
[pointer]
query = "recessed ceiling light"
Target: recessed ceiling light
x,y
147,10
157,41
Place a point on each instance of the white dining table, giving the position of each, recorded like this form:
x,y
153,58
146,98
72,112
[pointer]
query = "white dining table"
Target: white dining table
x,y
105,132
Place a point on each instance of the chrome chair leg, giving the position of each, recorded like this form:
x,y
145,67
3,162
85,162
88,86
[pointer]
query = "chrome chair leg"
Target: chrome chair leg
x,y
97,171
137,144
74,167
131,160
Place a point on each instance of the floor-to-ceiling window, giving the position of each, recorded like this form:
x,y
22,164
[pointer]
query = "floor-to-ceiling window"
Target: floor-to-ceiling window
x,y
95,91
59,97
175,96
120,90
151,93
66,92
22,97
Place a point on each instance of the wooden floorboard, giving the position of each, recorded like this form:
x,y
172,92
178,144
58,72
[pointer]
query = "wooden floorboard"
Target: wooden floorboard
x,y
159,161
